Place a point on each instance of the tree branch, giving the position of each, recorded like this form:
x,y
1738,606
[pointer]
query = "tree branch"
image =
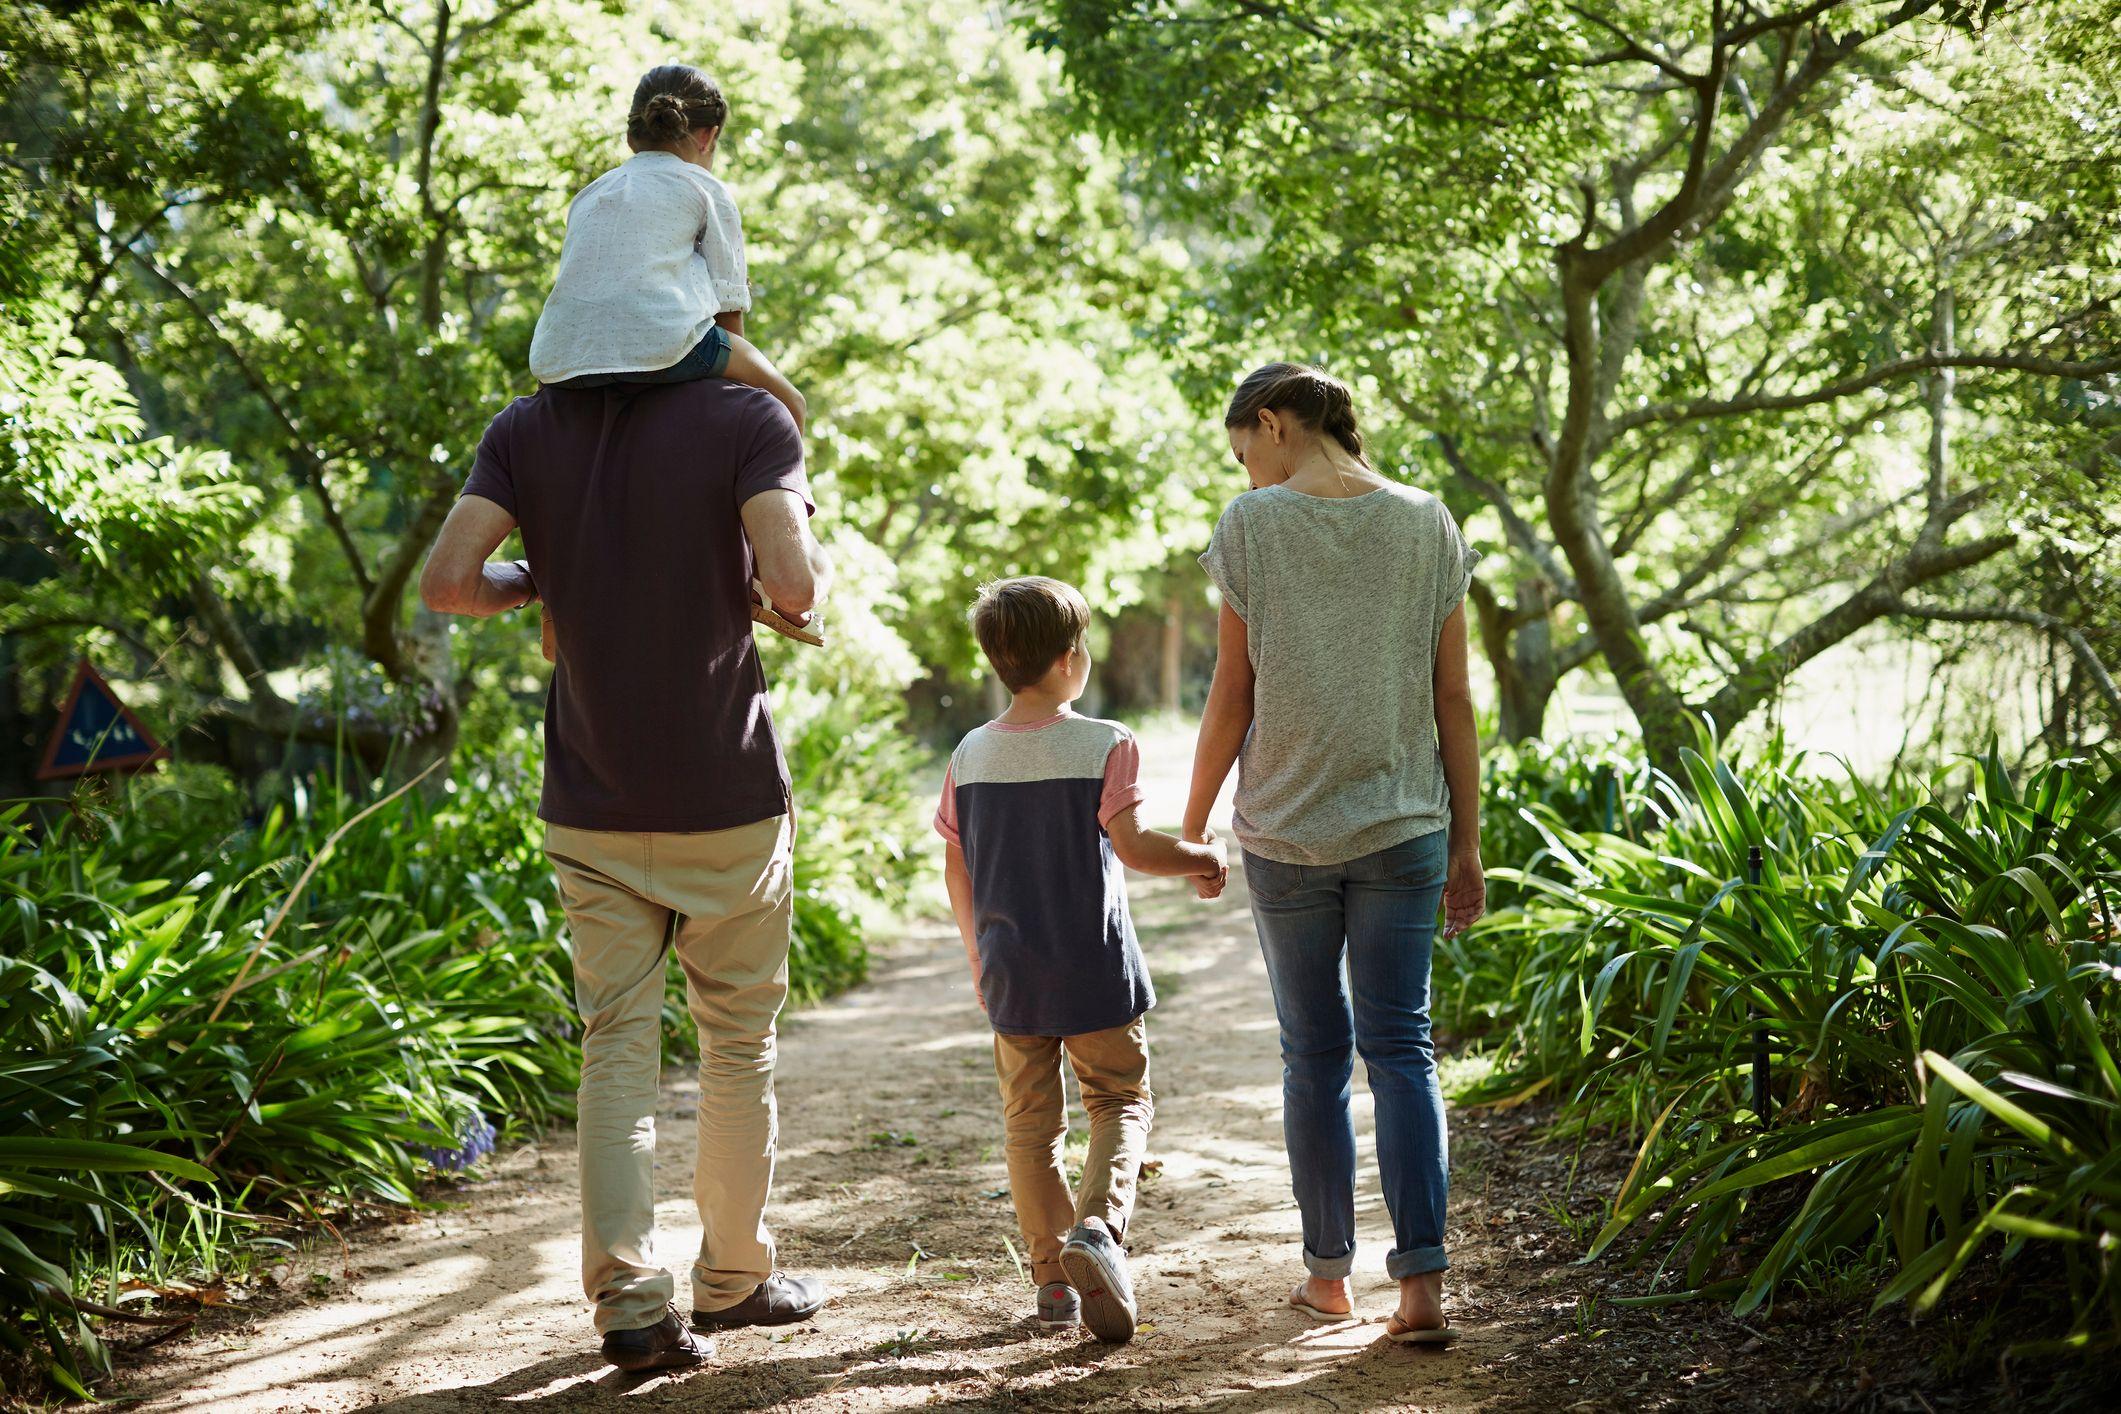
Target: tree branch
x,y
313,462
1703,409
433,258
1632,48
1515,528
228,636
380,638
1766,671
2068,632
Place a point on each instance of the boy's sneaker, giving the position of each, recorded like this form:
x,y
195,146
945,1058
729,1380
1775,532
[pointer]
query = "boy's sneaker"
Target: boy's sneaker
x,y
1058,1305
1097,1269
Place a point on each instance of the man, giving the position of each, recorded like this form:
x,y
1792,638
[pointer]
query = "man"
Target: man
x,y
646,513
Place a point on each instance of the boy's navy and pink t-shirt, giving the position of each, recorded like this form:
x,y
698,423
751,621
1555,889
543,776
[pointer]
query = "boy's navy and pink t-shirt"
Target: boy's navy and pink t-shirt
x,y
1028,805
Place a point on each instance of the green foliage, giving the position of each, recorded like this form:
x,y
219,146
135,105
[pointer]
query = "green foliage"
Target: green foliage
x,y
1400,190
417,981
122,520
1938,991
303,255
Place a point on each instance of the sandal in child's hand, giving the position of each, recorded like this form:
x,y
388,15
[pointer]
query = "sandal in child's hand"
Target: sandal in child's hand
x,y
762,611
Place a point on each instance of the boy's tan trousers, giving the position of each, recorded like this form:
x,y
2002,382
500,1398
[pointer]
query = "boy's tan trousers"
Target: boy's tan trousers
x,y
1112,1068
723,899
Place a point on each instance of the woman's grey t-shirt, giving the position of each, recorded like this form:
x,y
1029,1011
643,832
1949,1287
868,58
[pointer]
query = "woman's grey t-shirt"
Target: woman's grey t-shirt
x,y
1343,602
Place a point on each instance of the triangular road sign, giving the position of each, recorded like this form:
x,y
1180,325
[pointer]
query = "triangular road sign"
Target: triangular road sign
x,y
97,732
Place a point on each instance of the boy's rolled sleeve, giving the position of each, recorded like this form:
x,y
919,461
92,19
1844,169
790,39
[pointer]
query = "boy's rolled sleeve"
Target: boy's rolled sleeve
x,y
1123,791
946,809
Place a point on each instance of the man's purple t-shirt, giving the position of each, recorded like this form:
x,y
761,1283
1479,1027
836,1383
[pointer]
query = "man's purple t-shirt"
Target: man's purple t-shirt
x,y
629,500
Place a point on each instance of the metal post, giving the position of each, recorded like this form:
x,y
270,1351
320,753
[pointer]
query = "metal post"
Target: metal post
x,y
1763,1097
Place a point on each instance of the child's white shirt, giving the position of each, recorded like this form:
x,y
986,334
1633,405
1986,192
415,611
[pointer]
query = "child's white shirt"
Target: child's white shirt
x,y
654,251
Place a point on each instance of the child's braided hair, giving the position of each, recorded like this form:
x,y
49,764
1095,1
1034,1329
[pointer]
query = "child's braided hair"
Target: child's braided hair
x,y
671,102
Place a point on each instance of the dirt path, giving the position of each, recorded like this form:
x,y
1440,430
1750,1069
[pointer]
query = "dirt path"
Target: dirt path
x,y
891,1188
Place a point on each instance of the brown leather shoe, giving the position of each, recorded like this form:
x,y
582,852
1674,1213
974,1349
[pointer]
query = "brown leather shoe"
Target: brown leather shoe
x,y
779,1300
666,1345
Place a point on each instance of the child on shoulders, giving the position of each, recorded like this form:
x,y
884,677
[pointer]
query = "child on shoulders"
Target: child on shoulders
x,y
652,285
1040,810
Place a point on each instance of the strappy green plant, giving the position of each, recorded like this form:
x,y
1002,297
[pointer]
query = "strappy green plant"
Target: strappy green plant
x,y
1936,985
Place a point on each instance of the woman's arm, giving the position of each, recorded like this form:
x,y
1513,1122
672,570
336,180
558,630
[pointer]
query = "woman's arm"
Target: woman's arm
x,y
1465,890
1223,724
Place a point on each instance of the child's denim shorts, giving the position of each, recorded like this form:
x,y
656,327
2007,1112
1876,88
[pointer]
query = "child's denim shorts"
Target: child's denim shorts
x,y
709,358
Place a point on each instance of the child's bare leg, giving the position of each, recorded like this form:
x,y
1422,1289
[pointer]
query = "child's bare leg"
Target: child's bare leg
x,y
747,365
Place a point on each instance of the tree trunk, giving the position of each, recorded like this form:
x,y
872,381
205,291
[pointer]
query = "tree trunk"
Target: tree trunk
x,y
1572,514
1529,687
1518,643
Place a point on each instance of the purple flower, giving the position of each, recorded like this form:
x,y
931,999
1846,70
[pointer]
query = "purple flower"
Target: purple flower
x,y
474,1141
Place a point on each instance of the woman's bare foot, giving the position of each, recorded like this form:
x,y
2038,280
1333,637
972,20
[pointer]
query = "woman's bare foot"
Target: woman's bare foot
x,y
1420,1303
1325,1294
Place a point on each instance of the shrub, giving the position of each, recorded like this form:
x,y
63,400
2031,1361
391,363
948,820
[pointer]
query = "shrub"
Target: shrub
x,y
162,1027
1937,993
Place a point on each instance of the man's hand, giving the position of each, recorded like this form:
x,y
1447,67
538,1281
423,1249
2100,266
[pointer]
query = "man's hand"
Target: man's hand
x,y
800,627
1465,892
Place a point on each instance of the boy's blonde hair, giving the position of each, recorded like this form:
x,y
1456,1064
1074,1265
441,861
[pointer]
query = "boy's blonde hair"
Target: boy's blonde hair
x,y
1025,625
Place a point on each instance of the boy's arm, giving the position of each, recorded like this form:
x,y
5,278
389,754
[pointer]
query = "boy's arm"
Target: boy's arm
x,y
958,879
1166,856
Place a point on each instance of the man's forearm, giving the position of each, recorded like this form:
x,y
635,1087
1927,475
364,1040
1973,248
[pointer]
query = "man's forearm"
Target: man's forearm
x,y
500,586
504,585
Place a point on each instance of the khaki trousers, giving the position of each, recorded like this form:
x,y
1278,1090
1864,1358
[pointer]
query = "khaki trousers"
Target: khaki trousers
x,y
1112,1067
722,898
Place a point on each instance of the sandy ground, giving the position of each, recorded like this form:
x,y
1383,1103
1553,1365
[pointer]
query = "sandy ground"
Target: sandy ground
x,y
891,1187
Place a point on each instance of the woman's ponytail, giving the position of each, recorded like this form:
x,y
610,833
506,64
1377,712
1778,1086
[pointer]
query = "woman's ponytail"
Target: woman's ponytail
x,y
1311,395
1338,419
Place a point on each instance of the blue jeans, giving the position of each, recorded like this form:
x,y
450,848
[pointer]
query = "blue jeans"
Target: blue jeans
x,y
708,358
1378,913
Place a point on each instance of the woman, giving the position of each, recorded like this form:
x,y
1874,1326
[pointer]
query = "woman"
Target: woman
x,y
1340,689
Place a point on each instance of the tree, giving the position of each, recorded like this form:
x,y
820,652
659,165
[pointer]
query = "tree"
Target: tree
x,y
1597,257
317,238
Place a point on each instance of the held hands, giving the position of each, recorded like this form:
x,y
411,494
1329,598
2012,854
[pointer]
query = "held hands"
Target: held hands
x,y
1210,885
1465,892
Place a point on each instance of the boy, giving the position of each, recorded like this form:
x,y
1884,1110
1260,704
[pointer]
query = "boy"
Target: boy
x,y
1041,808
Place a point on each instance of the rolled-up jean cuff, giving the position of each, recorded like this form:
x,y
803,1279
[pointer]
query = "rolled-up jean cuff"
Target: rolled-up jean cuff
x,y
1414,1261
1329,1268
712,352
